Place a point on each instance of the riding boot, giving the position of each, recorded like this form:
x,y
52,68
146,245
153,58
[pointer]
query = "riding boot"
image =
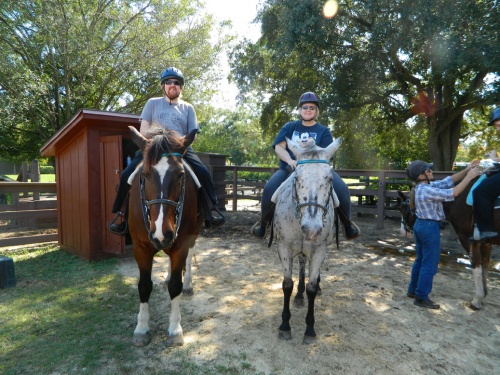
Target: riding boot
x,y
210,220
121,228
351,230
259,228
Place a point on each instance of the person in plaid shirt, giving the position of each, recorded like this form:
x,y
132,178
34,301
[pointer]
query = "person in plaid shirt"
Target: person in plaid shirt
x,y
429,196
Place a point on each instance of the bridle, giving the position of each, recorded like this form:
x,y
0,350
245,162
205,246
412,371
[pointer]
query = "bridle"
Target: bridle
x,y
298,206
145,204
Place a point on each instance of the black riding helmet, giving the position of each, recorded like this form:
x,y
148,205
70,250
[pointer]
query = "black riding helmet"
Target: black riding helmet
x,y
309,97
416,168
495,115
172,73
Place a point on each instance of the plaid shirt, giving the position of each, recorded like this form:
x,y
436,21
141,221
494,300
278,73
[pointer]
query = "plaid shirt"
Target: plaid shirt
x,y
429,198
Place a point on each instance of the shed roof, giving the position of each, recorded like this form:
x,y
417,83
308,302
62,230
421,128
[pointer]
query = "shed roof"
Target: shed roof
x,y
86,117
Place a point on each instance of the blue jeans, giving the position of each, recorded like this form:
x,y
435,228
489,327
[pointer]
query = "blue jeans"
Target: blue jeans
x,y
427,243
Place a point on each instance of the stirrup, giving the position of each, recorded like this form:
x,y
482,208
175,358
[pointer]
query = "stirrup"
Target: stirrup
x,y
113,227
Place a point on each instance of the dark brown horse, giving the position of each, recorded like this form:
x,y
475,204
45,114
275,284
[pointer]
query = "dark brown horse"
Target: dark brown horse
x,y
460,215
163,215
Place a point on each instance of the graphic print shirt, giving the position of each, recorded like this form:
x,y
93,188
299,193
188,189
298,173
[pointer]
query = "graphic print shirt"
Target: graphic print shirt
x,y
296,131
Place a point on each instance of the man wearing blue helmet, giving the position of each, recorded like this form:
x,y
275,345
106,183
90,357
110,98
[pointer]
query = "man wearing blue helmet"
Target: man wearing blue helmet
x,y
169,112
487,191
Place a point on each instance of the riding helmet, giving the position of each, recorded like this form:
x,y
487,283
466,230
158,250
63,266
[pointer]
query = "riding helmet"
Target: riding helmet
x,y
309,97
495,115
416,168
172,73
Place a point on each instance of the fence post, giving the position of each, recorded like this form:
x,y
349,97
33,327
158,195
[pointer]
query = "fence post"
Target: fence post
x,y
235,189
380,199
35,176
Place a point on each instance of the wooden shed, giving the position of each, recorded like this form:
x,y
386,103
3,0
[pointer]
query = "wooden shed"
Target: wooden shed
x,y
91,151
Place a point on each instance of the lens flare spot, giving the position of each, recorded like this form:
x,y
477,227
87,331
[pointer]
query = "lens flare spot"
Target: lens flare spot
x,y
330,9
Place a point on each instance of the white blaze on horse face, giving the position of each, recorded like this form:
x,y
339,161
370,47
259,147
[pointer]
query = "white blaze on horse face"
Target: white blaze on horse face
x,y
161,167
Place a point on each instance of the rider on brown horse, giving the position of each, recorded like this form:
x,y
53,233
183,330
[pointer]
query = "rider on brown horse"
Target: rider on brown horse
x,y
169,112
487,191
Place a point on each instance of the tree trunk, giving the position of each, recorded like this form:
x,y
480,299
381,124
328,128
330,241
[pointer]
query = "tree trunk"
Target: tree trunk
x,y
444,138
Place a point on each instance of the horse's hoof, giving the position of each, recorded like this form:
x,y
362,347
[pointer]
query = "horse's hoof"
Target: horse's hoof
x,y
309,339
299,302
188,291
141,339
172,341
473,307
285,335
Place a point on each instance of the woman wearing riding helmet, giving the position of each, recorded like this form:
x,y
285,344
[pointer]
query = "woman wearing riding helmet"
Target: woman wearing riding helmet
x,y
169,112
306,126
429,196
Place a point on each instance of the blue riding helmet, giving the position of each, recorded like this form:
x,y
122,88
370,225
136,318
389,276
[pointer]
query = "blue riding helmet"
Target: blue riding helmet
x,y
495,115
172,73
416,168
309,97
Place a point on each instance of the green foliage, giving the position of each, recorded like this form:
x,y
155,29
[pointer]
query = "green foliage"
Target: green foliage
x,y
46,169
57,57
408,67
236,134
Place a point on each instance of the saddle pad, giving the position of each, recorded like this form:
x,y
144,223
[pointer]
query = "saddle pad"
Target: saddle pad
x,y
469,196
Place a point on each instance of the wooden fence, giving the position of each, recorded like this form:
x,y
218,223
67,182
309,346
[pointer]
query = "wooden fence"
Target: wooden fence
x,y
372,192
28,205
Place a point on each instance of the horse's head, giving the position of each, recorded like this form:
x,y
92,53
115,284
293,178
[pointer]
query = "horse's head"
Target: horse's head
x,y
313,193
162,182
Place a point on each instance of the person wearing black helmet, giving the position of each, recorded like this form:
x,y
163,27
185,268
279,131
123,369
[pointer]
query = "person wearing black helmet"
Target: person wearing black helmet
x,y
486,192
305,126
428,196
173,113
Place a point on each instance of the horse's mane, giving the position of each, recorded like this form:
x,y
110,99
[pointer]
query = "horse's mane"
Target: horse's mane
x,y
160,141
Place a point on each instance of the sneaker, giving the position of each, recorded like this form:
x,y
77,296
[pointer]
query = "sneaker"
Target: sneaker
x,y
488,235
258,230
427,303
410,295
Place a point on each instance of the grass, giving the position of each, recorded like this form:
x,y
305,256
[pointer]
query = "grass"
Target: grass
x,y
69,316
62,310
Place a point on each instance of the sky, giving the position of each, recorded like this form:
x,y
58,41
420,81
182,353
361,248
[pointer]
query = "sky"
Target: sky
x,y
241,13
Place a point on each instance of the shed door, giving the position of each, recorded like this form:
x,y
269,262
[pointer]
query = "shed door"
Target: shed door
x,y
111,167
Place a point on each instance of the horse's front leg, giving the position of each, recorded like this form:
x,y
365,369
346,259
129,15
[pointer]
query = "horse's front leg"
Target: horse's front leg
x,y
285,331
315,263
175,334
145,287
480,260
299,297
187,286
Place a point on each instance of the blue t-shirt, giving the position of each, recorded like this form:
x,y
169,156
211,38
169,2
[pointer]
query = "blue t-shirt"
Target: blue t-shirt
x,y
296,131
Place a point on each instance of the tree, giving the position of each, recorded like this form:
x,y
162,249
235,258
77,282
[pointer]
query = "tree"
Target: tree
x,y
59,56
404,62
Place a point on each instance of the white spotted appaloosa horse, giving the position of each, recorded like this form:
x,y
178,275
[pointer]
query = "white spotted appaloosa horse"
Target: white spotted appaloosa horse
x,y
304,223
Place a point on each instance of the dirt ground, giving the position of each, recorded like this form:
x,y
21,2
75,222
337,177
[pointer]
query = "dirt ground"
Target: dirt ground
x,y
365,324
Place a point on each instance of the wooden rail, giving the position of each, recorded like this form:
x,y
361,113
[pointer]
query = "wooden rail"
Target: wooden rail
x,y
28,211
374,192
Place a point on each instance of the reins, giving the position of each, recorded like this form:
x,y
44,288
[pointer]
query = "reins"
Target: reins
x,y
145,204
